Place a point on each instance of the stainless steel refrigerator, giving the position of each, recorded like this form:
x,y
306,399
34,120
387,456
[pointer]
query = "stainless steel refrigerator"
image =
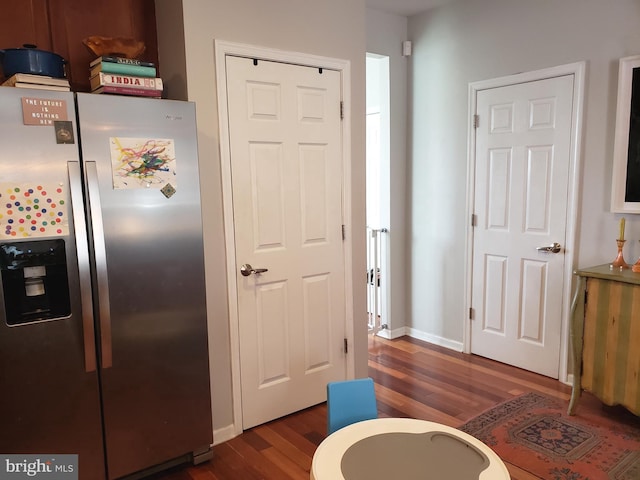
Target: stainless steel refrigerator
x,y
103,334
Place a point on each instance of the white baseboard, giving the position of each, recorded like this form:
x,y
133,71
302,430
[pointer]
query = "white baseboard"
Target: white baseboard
x,y
390,334
436,340
569,380
427,337
224,434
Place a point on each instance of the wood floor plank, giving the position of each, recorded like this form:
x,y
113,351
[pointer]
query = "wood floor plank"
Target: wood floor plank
x,y
200,474
390,404
412,379
283,445
290,468
302,441
255,460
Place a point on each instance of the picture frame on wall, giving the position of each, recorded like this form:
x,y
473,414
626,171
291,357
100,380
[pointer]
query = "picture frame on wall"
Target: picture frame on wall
x,y
625,189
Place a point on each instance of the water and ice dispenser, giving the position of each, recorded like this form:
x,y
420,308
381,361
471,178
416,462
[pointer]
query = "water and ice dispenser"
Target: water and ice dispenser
x,y
34,281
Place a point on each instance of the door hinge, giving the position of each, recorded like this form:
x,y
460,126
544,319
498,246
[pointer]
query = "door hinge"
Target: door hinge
x,y
344,232
474,220
341,110
346,347
476,121
471,313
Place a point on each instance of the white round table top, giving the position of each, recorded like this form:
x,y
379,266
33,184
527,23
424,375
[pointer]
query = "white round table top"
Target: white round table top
x,y
327,461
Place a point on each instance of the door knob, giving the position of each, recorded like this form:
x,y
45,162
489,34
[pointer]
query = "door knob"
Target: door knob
x,y
247,270
555,247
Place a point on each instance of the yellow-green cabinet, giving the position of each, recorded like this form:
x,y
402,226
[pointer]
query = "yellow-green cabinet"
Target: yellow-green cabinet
x,y
605,333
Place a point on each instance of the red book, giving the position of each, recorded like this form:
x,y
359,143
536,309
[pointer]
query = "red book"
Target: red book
x,y
139,92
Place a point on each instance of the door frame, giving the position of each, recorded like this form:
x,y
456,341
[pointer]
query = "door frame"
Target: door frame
x,y
222,49
578,71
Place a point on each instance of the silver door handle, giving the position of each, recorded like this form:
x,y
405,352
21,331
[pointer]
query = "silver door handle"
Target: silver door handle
x,y
102,277
555,247
247,270
84,273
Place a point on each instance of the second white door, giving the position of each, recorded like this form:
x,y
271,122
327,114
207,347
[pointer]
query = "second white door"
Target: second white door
x,y
522,171
286,167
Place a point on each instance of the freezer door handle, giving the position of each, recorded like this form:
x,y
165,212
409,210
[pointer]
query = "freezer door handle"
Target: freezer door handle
x,y
84,272
102,279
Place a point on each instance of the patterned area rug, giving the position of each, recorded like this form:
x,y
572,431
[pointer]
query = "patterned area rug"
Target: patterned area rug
x,y
534,433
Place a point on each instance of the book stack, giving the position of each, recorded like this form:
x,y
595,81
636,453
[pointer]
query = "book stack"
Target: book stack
x,y
124,76
40,82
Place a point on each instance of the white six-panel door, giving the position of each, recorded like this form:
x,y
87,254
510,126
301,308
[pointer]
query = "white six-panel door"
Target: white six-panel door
x,y
522,165
286,168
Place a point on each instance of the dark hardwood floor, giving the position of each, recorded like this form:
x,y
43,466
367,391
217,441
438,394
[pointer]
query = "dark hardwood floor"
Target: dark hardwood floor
x,y
413,379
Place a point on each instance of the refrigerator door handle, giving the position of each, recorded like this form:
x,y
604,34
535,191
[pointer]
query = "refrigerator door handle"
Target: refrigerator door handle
x,y
100,251
84,272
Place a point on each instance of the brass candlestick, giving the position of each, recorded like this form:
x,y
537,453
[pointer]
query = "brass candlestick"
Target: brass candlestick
x,y
619,261
636,266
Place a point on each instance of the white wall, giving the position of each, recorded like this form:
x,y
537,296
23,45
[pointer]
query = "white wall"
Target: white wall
x,y
331,28
471,40
385,34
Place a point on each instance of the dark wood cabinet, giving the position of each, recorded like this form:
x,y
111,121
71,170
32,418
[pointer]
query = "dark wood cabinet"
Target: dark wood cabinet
x,y
61,25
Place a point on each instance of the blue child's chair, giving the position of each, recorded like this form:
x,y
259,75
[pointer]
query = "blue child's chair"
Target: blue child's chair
x,y
350,401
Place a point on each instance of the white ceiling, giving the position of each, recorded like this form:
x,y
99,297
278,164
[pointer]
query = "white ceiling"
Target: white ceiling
x,y
405,8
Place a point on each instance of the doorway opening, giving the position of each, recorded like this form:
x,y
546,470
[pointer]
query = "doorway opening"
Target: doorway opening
x,y
378,191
